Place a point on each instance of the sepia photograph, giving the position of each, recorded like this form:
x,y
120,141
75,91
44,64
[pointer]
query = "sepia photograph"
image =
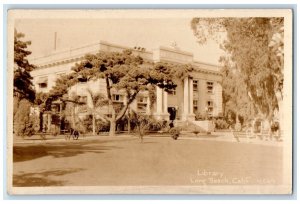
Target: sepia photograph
x,y
149,101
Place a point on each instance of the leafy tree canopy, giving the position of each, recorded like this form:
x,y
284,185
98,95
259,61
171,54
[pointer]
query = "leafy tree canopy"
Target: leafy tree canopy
x,y
23,87
121,71
235,95
254,47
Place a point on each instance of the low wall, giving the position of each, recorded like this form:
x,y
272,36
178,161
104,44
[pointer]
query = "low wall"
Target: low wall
x,y
207,125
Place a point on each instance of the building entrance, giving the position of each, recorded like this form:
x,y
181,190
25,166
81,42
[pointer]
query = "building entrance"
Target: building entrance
x,y
172,112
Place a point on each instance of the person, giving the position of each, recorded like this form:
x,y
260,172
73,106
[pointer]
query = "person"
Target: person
x,y
275,129
171,124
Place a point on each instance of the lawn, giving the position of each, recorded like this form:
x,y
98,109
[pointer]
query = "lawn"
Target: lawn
x,y
156,161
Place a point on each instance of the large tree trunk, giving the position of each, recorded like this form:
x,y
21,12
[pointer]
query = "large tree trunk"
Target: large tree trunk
x,y
237,121
112,130
94,124
113,123
280,112
128,122
73,118
41,121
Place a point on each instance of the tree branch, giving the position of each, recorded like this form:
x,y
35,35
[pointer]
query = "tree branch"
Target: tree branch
x,y
102,116
124,109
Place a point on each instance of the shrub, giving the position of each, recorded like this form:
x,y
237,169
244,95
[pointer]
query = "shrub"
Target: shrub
x,y
80,127
23,121
54,130
200,116
275,126
35,120
149,122
88,123
102,126
238,127
142,123
221,124
175,132
220,116
196,132
156,125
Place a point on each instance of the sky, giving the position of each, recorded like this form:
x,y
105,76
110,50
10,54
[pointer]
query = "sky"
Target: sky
x,y
149,33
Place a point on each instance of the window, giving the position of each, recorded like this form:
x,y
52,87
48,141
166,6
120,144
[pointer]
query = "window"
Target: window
x,y
142,104
141,107
210,107
142,99
195,85
43,82
82,80
210,87
195,105
117,98
43,85
55,108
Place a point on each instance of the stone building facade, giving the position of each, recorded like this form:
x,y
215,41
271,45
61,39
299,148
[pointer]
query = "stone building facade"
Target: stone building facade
x,y
199,93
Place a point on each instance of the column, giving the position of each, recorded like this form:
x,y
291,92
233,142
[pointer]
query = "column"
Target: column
x,y
220,98
148,110
165,102
158,100
185,97
60,114
128,114
161,104
191,106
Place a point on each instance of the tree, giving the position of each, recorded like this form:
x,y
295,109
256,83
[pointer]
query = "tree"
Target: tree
x,y
23,91
120,71
142,123
23,87
97,100
41,101
250,45
24,122
234,93
73,102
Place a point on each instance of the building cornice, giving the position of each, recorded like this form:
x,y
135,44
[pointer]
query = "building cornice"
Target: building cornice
x,y
178,51
206,63
78,59
122,47
80,56
61,62
206,71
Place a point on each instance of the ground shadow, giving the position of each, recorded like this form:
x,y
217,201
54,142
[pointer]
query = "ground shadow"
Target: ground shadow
x,y
41,178
148,142
206,136
25,152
